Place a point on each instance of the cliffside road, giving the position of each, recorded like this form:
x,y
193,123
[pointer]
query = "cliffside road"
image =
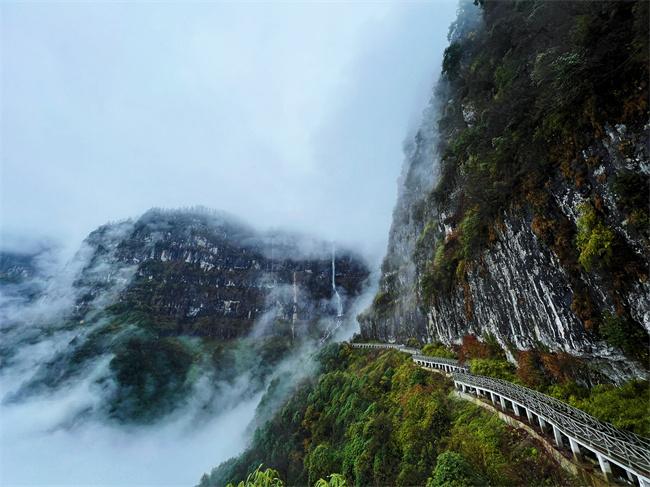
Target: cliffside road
x,y
621,456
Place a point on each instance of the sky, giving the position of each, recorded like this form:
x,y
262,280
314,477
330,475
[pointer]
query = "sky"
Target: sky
x,y
289,114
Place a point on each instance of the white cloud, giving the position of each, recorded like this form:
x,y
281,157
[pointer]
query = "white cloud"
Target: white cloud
x,y
286,114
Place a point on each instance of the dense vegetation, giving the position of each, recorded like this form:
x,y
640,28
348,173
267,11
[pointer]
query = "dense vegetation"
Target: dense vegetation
x,y
375,418
532,90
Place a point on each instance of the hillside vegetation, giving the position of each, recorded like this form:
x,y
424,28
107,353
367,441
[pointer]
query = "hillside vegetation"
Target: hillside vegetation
x,y
377,419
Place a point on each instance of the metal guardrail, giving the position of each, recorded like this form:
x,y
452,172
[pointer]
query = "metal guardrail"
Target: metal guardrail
x,y
377,345
412,351
628,448
440,360
624,447
416,352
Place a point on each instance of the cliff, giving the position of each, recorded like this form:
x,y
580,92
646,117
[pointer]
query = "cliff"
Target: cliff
x,y
176,308
205,273
523,210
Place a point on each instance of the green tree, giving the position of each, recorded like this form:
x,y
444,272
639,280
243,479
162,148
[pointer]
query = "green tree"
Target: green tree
x,y
499,368
335,480
261,478
595,240
452,470
437,350
626,335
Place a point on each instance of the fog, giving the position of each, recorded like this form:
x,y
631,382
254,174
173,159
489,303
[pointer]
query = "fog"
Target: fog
x,y
55,431
42,444
286,114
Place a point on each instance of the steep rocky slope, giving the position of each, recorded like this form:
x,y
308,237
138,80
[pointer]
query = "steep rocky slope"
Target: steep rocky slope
x,y
175,307
202,273
523,212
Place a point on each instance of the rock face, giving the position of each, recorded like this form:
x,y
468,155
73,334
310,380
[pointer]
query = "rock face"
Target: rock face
x,y
519,292
185,308
204,273
396,312
527,286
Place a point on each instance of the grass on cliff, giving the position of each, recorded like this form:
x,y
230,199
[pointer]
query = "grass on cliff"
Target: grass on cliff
x,y
375,418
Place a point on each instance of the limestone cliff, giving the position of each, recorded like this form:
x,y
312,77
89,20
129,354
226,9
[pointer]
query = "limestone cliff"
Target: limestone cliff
x,y
523,209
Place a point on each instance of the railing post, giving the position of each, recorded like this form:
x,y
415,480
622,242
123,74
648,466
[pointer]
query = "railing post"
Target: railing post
x,y
605,467
529,414
558,436
575,449
503,403
494,401
541,422
515,408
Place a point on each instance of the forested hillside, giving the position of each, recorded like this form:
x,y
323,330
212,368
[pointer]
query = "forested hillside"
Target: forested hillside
x,y
377,419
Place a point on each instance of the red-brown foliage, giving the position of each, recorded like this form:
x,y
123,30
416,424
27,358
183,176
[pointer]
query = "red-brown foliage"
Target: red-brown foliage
x,y
473,348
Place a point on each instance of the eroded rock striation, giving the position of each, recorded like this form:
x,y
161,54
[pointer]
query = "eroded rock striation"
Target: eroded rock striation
x,y
206,273
522,215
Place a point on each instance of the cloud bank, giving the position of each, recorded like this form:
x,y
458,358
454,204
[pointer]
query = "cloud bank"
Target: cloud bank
x,y
288,114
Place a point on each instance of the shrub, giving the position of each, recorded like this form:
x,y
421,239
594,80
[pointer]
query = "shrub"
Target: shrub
x,y
259,478
451,60
625,406
633,194
594,240
439,277
438,350
413,342
335,480
472,347
151,376
632,190
383,302
320,461
498,368
452,470
626,335
472,233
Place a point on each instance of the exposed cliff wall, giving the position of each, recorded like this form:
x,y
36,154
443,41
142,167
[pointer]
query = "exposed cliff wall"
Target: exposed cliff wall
x,y
395,309
535,230
176,307
202,273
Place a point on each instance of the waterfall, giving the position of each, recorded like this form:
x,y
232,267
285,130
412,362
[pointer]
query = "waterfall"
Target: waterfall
x,y
294,317
339,303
